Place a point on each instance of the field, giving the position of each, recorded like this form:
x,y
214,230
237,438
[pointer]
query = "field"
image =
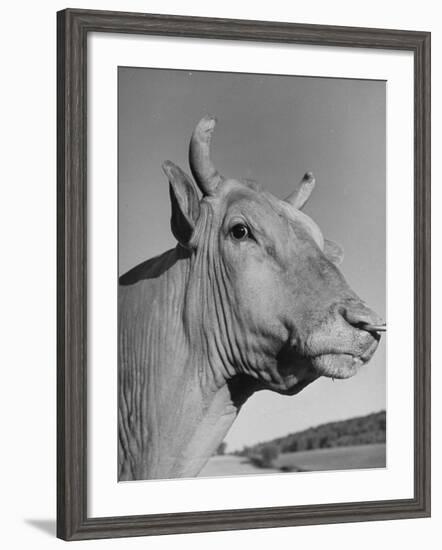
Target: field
x,y
338,458
230,465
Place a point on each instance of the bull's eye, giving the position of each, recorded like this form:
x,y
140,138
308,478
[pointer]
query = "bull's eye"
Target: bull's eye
x,y
240,232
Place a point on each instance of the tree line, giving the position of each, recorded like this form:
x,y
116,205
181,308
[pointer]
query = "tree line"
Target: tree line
x,y
362,430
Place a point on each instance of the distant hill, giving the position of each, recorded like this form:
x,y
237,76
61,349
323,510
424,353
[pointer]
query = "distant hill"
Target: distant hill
x,y
361,430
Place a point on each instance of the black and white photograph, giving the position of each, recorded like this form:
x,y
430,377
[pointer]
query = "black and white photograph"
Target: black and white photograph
x,y
220,237
252,274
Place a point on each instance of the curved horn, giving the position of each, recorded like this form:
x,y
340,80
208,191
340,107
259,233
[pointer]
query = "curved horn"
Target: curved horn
x,y
301,194
205,174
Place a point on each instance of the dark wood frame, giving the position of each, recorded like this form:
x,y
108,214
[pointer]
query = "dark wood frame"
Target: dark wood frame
x,y
73,28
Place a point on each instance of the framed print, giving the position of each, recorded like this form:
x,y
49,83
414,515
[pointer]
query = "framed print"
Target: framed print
x,y
243,274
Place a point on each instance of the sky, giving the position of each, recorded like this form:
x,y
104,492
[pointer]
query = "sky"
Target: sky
x,y
271,129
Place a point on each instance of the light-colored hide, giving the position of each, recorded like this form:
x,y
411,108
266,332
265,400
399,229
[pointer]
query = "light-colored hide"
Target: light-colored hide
x,y
250,299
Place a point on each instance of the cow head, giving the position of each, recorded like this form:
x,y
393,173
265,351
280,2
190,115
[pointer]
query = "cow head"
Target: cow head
x,y
264,290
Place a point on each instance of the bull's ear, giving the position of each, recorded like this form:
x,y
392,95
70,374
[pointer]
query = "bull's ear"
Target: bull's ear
x,y
184,202
333,251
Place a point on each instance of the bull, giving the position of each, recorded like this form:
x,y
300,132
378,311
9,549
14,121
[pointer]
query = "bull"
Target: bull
x,y
250,298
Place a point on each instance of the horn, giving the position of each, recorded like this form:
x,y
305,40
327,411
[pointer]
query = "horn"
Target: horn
x,y
301,194
205,174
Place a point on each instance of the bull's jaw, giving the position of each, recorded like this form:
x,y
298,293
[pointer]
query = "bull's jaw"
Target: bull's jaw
x,y
294,371
294,383
290,374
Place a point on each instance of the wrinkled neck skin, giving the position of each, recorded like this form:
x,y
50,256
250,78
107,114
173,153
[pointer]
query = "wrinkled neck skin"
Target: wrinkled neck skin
x,y
178,396
185,365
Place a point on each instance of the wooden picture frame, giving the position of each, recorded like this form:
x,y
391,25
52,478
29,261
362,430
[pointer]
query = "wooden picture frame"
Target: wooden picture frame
x,y
73,27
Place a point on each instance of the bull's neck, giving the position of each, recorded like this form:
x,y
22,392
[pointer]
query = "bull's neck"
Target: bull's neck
x,y
177,397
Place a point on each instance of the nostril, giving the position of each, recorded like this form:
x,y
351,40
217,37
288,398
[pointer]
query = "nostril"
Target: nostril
x,y
362,318
355,318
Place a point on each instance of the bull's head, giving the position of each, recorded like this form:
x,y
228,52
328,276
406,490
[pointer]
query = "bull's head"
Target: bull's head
x,y
265,293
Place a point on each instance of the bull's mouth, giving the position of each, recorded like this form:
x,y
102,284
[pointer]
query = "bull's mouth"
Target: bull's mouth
x,y
340,365
297,371
343,365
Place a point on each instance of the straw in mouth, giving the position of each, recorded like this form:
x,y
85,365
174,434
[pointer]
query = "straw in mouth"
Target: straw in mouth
x,y
374,328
